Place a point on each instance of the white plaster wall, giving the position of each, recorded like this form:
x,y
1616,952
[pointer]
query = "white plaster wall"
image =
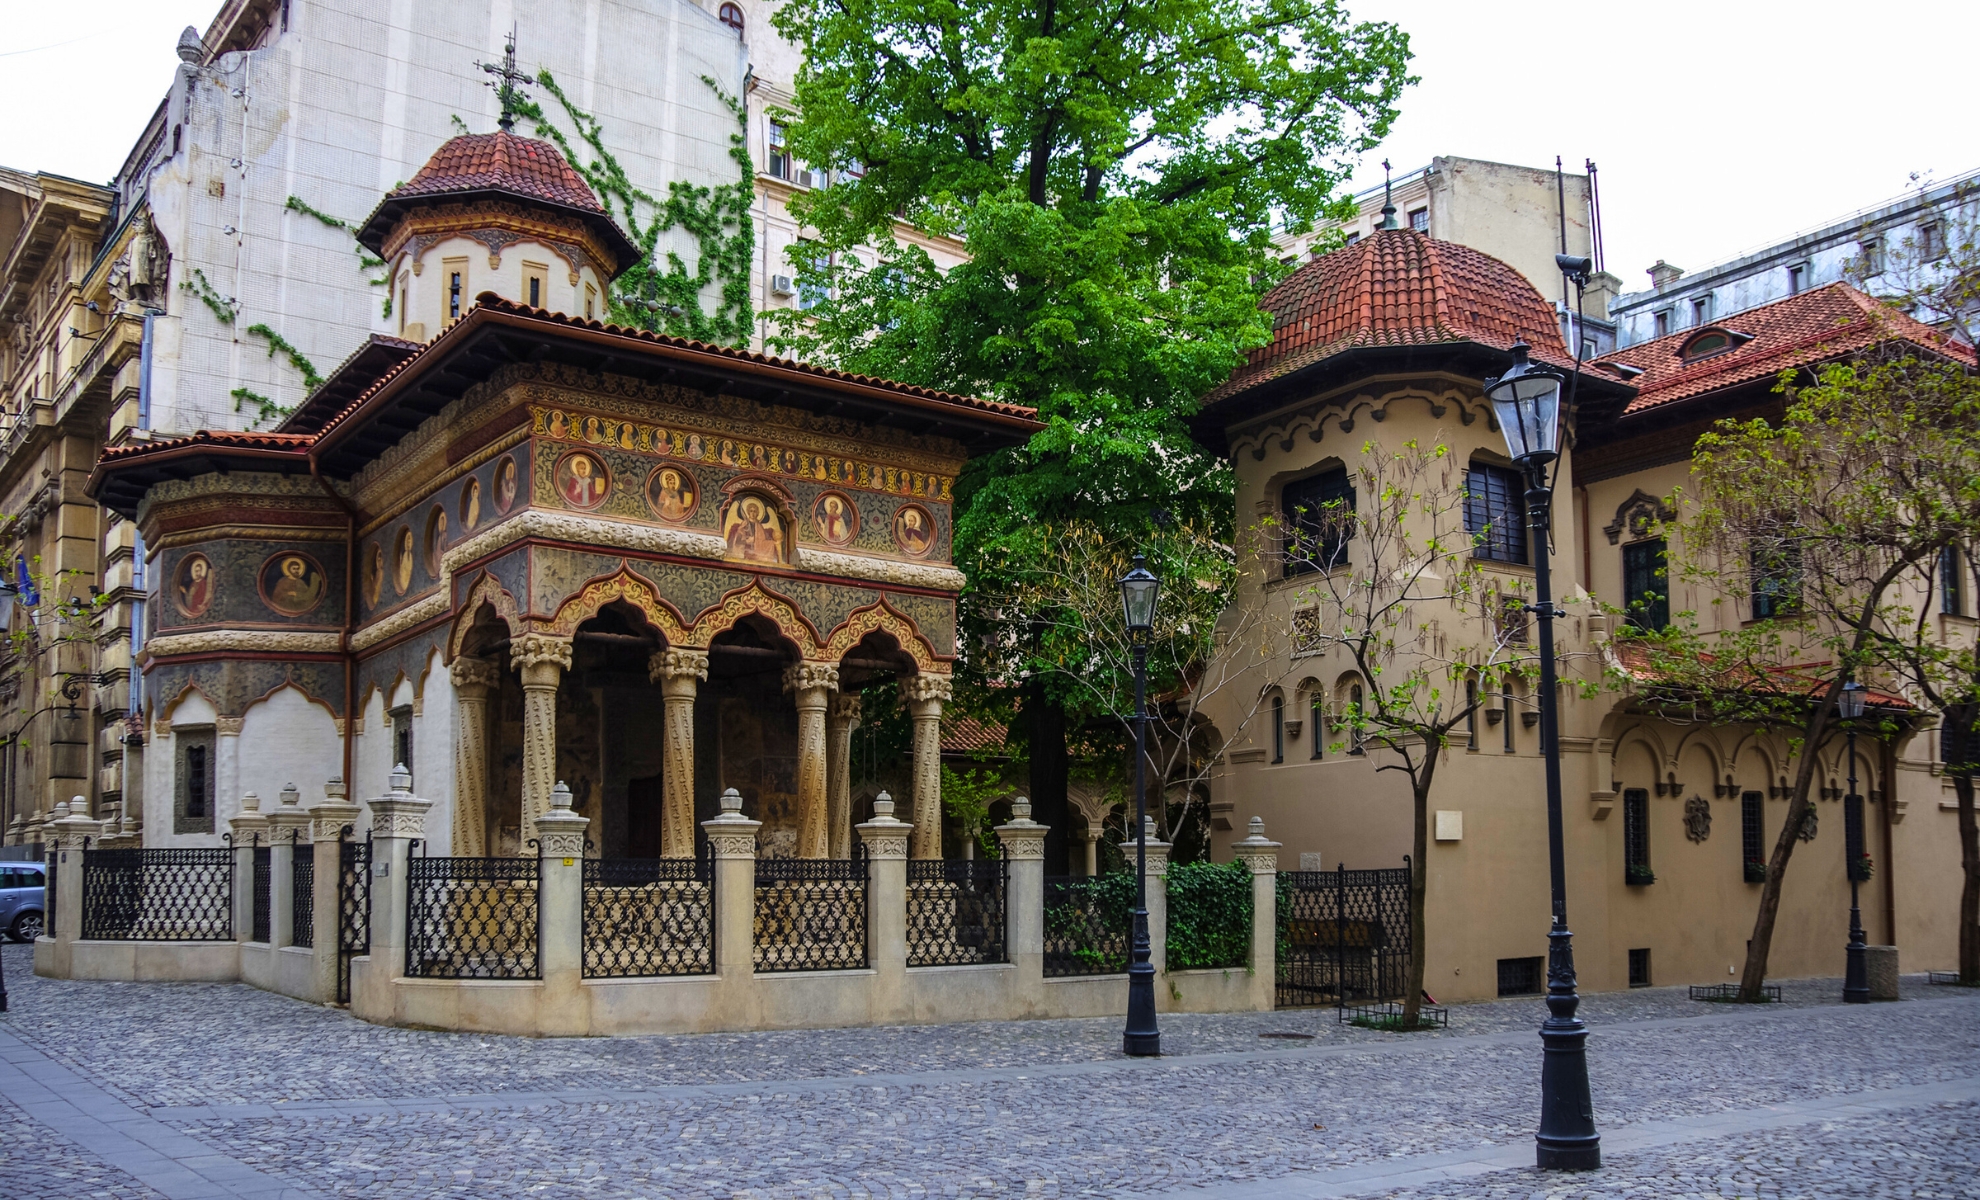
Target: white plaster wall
x,y
160,768
371,756
427,290
287,739
433,750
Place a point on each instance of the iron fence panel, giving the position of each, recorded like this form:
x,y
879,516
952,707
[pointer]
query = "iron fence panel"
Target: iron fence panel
x,y
264,893
471,918
302,896
1088,922
648,916
158,895
955,912
353,910
1343,937
810,914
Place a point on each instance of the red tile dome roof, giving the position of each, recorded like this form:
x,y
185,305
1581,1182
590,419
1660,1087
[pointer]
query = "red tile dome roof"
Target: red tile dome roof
x,y
1397,288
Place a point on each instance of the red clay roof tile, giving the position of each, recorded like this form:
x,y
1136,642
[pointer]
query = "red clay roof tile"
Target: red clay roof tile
x,y
525,166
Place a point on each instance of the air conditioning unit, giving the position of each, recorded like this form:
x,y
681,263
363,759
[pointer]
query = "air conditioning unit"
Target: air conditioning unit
x,y
781,285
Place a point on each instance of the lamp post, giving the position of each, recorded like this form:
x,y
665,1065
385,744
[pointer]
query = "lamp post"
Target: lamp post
x,y
1139,589
1527,402
1856,971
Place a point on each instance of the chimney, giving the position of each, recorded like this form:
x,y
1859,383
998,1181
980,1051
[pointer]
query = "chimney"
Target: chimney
x,y
1602,290
1664,273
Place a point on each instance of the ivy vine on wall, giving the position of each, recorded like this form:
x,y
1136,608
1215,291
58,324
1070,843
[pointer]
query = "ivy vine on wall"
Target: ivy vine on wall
x,y
228,311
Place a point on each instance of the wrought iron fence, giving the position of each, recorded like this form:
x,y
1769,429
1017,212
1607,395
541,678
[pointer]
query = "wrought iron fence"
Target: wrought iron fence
x,y
158,895
1343,936
471,918
302,895
353,909
264,893
955,912
648,916
810,914
1088,921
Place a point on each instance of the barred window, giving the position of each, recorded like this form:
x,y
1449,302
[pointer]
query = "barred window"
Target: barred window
x,y
1471,714
1319,726
1952,600
1639,967
1636,835
1646,585
192,807
1959,749
1495,513
1278,728
1752,844
402,737
1521,976
1319,517
1776,566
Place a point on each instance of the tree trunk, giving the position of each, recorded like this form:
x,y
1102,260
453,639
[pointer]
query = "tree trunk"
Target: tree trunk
x,y
1048,774
1969,894
1755,975
1419,889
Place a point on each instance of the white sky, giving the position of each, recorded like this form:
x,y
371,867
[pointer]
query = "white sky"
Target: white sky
x,y
1718,127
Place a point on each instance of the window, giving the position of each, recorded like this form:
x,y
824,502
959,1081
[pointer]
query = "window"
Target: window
x,y
1646,586
732,16
1951,600
1639,968
1354,237
1854,851
1931,239
1661,322
1776,567
1752,847
1870,256
1506,717
192,802
1797,278
1319,517
1471,714
534,275
1959,753
780,155
1354,708
402,737
1495,513
1705,345
1419,220
454,295
1278,729
812,292
1636,836
1701,310
590,302
1520,976
1319,727
402,303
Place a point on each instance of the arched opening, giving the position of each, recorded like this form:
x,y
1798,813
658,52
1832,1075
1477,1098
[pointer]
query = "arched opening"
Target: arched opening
x,y
746,733
610,735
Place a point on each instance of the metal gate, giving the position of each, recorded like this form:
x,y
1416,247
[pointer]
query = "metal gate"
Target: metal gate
x,y
353,908
1343,936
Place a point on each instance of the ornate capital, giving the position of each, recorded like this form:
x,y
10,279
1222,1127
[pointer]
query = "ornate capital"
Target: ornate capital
x,y
809,676
844,708
227,726
887,841
673,663
538,650
1158,857
1023,841
919,689
474,672
329,819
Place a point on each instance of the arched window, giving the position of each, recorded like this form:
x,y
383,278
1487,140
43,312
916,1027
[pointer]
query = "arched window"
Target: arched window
x,y
732,16
1319,725
1278,728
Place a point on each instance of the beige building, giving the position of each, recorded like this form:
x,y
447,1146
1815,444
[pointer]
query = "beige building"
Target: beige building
x,y
1394,337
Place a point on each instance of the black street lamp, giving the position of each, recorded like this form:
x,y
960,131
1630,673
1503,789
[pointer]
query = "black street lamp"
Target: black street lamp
x,y
1139,589
1856,972
1527,402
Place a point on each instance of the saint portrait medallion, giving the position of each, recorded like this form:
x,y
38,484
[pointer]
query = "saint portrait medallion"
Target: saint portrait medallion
x,y
291,583
914,530
582,480
836,518
192,586
671,494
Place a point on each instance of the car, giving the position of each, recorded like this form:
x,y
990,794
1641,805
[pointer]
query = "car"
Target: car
x,y
23,900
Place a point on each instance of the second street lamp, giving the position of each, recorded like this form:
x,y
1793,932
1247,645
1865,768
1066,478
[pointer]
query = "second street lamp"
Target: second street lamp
x,y
1139,589
1856,969
1527,402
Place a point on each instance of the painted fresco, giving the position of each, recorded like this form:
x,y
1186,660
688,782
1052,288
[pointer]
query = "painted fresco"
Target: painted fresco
x,y
235,684
399,563
241,583
382,669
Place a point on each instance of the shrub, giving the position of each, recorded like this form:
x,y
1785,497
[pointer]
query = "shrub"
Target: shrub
x,y
1209,915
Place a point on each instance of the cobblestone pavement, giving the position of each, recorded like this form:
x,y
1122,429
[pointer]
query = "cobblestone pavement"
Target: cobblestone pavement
x,y
266,1096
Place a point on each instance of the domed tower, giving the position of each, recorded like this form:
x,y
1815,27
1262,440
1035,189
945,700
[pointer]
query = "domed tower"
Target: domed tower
x,y
493,212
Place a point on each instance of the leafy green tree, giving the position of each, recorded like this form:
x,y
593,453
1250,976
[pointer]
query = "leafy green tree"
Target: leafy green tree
x,y
1115,171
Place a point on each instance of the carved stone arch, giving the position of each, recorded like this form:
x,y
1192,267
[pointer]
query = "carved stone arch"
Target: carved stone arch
x,y
170,705
621,586
753,599
486,590
1705,738
299,689
881,617
1753,755
1641,734
1638,516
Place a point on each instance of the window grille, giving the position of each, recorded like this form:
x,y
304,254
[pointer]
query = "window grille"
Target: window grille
x,y
453,295
402,728
1636,836
1319,726
1471,713
353,909
1752,841
264,898
1959,749
810,914
1278,729
1419,220
1318,512
1639,968
1522,976
955,912
649,916
1952,601
1495,514
192,803
1776,569
1646,585
302,891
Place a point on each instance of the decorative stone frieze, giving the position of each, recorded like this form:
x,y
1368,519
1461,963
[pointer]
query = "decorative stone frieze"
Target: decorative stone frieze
x,y
1158,851
1022,838
288,820
227,726
1256,851
731,834
560,832
539,649
332,815
886,836
250,827
399,813
675,664
72,826
259,641
474,672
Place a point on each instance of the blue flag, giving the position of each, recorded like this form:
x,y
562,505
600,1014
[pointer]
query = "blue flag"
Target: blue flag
x,y
23,582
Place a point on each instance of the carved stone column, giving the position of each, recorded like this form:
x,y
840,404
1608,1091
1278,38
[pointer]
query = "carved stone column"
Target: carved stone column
x,y
840,721
474,679
926,695
678,672
542,659
812,684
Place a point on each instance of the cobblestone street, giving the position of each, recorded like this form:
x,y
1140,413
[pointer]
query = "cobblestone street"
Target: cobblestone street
x,y
186,1090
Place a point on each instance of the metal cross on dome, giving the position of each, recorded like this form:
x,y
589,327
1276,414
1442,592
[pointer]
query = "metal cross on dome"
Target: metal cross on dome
x,y
507,82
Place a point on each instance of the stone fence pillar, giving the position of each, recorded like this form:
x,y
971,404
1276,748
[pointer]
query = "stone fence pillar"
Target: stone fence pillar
x,y
250,830
68,835
398,818
733,838
1262,857
287,826
1023,840
560,913
1158,904
328,820
886,840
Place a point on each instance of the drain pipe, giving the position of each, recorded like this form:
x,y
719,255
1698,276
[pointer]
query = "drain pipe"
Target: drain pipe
x,y
350,609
